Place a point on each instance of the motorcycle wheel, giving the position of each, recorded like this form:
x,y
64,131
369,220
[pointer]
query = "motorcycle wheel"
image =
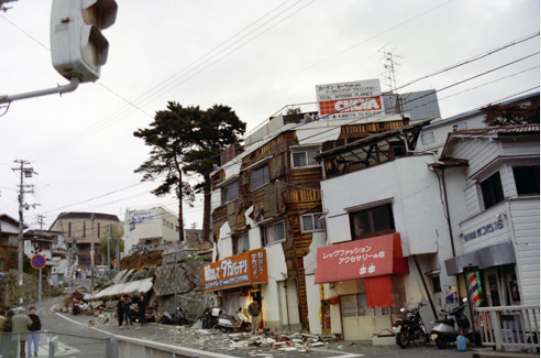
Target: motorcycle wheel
x,y
247,327
183,322
224,329
402,339
441,343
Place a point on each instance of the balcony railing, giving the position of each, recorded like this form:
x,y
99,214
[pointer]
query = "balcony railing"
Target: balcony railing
x,y
510,327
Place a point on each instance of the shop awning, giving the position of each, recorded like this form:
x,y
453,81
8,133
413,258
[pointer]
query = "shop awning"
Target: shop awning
x,y
248,268
366,258
495,255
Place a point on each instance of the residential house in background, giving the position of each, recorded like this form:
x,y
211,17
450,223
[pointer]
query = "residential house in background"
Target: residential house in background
x,y
79,227
9,240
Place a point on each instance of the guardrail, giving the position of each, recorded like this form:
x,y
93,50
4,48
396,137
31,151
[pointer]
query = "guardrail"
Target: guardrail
x,y
510,327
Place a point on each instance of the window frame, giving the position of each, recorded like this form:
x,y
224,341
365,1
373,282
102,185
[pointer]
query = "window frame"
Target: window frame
x,y
492,190
315,223
530,172
266,176
423,139
264,233
245,239
225,190
374,233
306,158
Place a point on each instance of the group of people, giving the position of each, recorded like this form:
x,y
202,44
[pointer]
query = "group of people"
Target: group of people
x,y
124,310
19,327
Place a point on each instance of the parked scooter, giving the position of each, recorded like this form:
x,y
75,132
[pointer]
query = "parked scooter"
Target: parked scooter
x,y
411,328
235,321
445,331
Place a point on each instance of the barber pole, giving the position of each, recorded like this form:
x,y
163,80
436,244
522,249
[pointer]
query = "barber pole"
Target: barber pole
x,y
475,289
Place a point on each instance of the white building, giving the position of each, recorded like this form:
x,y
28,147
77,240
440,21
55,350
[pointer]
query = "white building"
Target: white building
x,y
150,228
499,231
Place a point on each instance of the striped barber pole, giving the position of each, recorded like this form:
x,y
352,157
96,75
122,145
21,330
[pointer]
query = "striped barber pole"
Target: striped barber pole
x,y
475,290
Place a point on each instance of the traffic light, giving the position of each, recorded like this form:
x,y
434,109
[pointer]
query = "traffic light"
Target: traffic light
x,y
78,47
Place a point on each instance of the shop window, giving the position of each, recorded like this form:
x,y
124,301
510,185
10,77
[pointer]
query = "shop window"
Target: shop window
x,y
260,177
354,305
372,222
527,180
274,233
305,159
492,190
230,192
241,243
311,223
428,138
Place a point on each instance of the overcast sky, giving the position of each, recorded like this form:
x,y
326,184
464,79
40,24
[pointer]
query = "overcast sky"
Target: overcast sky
x,y
254,56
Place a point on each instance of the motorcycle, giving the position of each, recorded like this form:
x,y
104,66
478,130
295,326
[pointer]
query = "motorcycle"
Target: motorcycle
x,y
235,321
411,328
179,318
209,318
446,330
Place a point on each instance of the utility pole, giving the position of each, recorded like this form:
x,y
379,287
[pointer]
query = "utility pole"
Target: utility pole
x,y
92,252
39,221
25,172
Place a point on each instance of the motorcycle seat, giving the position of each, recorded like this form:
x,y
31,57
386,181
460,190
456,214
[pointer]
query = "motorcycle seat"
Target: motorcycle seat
x,y
449,322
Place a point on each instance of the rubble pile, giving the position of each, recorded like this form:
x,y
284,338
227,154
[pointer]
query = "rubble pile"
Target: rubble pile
x,y
139,260
263,345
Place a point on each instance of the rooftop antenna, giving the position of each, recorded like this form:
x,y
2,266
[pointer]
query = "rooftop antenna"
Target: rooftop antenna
x,y
389,64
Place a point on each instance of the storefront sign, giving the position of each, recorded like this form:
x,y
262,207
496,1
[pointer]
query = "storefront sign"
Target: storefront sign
x,y
484,230
360,99
143,216
360,259
240,270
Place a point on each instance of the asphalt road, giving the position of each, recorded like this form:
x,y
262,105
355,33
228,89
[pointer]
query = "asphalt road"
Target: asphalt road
x,y
76,338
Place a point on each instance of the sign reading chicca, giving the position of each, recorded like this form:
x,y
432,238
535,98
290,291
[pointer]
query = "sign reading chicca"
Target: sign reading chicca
x,y
243,269
361,99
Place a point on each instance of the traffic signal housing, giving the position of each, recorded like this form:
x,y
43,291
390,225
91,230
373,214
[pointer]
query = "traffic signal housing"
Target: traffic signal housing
x,y
78,48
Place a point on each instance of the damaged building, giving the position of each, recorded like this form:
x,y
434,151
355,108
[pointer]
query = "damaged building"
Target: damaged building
x,y
267,212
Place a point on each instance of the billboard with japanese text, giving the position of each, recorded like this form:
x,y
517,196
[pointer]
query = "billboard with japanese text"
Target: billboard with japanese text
x,y
350,100
243,269
143,216
372,257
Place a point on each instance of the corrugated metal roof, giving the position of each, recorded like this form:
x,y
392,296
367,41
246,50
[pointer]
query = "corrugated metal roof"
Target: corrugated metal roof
x,y
140,286
522,128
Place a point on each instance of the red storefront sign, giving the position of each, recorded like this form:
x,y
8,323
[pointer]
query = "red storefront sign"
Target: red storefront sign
x,y
243,269
361,259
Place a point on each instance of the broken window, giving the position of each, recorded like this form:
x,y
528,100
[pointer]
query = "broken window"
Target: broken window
x,y
260,177
372,222
241,243
492,190
304,159
527,180
274,233
230,192
311,222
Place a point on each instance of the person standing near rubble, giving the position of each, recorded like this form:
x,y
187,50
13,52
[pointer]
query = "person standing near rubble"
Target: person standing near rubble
x,y
142,304
33,332
4,340
21,323
126,301
254,309
120,311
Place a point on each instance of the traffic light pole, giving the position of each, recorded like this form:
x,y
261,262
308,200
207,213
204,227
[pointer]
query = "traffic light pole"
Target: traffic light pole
x,y
74,83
